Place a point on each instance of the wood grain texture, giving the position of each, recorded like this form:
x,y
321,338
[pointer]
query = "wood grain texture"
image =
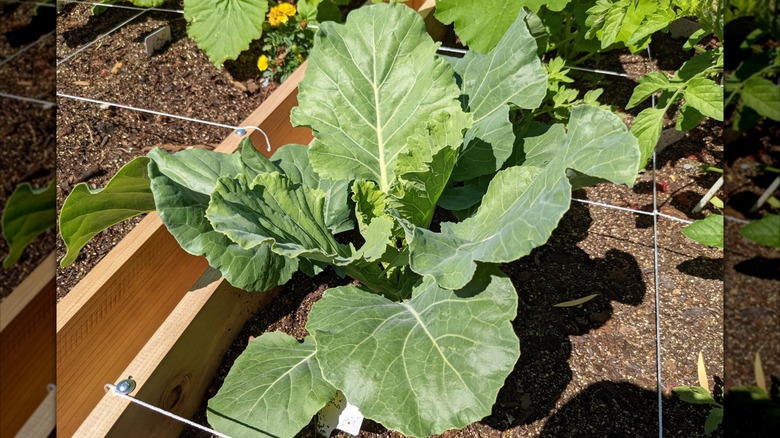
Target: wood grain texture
x,y
27,347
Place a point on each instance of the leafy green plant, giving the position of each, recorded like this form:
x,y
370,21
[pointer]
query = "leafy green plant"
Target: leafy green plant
x,y
28,213
751,89
424,342
701,395
694,85
288,40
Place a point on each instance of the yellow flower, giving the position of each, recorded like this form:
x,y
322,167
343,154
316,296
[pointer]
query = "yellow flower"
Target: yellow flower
x,y
280,14
287,9
262,63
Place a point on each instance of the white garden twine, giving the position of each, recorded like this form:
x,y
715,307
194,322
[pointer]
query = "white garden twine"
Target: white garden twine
x,y
175,116
111,389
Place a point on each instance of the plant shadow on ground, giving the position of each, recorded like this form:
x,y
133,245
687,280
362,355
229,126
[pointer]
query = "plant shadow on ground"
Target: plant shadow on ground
x,y
554,273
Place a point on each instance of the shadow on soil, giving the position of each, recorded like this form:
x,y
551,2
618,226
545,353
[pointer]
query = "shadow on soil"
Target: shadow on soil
x,y
760,267
558,272
703,267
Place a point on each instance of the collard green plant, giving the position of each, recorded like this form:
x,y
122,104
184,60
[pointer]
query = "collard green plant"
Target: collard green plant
x,y
27,213
424,341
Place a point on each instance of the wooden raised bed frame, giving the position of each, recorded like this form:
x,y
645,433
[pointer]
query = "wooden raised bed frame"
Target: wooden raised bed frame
x,y
151,311
27,354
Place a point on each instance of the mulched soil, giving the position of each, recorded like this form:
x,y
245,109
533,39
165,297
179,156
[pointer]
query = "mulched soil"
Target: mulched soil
x,y
27,132
752,271
584,371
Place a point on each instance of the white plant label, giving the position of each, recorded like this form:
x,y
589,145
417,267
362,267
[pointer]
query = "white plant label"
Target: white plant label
x,y
339,414
157,39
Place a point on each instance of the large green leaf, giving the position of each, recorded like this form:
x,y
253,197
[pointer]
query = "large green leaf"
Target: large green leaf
x,y
370,84
27,213
182,184
86,212
480,24
294,161
765,231
422,366
224,28
290,218
273,389
708,231
524,203
511,74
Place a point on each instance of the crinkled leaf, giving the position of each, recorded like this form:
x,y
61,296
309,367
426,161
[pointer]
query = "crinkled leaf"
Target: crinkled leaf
x,y
294,161
27,213
422,366
289,217
86,212
423,172
765,231
762,95
694,394
182,184
510,74
647,129
273,389
706,96
649,84
708,231
523,204
370,84
224,28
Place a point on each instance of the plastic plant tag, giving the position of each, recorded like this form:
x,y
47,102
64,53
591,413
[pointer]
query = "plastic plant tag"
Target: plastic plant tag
x,y
157,39
339,414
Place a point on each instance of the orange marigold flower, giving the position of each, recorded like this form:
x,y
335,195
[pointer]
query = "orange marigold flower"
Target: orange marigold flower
x,y
262,63
287,9
280,14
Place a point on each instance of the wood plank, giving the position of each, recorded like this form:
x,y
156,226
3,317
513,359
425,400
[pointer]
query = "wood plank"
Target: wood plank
x,y
178,364
42,422
27,347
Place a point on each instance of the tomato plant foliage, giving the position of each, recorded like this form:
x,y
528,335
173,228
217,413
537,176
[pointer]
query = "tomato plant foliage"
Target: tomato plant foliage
x,y
425,341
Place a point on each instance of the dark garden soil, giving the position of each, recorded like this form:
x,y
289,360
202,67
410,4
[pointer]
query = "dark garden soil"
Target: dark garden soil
x,y
588,370
27,131
751,296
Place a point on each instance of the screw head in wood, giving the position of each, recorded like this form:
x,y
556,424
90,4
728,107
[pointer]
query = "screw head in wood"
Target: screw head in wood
x,y
240,131
125,386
